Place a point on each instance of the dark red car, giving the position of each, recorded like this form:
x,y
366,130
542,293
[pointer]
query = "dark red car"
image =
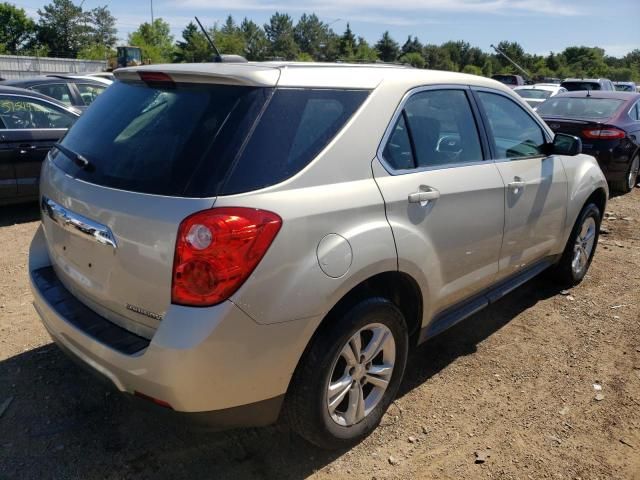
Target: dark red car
x,y
608,124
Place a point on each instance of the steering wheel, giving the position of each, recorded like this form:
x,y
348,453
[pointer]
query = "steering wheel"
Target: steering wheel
x,y
22,119
450,146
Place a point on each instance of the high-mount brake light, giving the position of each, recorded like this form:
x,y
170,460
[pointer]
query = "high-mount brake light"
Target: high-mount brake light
x,y
604,133
156,77
216,251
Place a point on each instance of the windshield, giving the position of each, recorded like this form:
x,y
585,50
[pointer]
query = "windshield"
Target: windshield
x,y
580,107
577,86
625,88
533,93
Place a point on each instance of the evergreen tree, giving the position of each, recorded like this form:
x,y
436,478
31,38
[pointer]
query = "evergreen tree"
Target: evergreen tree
x,y
387,48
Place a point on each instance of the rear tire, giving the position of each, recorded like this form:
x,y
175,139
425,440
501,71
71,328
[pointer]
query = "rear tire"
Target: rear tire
x,y
631,178
580,248
327,383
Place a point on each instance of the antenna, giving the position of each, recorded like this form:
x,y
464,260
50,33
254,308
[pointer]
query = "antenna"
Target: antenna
x,y
218,57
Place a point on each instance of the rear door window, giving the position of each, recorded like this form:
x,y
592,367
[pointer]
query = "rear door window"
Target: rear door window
x,y
398,152
59,91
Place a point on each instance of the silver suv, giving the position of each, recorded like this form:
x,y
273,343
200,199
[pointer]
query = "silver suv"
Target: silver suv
x,y
245,241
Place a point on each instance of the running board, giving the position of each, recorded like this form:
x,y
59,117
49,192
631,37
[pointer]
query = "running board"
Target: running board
x,y
453,315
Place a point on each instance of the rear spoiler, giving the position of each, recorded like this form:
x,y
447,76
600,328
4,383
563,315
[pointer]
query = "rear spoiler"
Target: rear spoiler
x,y
221,73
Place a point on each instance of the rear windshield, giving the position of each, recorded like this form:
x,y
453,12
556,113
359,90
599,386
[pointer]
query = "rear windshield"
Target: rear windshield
x,y
580,107
532,93
576,86
507,79
202,140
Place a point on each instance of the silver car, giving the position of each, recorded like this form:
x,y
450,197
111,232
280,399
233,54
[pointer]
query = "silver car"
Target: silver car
x,y
242,242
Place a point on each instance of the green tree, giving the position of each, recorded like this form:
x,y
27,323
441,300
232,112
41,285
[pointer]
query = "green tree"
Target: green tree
x,y
229,38
279,32
64,28
155,40
347,44
255,40
365,52
103,26
414,59
472,69
412,45
17,28
193,47
515,51
96,51
387,48
311,35
437,58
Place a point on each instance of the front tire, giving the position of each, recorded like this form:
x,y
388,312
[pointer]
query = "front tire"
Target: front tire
x,y
580,248
349,375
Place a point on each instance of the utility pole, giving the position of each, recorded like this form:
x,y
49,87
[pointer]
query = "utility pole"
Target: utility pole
x,y
151,12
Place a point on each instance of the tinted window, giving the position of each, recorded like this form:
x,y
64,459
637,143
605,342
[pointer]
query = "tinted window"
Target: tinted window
x,y
506,79
295,127
203,140
154,139
533,93
397,152
24,113
442,128
582,107
59,91
515,133
576,86
88,92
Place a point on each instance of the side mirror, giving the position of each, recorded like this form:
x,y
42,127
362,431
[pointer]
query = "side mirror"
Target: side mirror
x,y
564,144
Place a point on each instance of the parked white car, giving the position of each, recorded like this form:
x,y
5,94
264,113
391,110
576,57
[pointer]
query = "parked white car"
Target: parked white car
x,y
534,95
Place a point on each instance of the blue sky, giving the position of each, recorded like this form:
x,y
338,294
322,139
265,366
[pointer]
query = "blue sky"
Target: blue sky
x,y
540,26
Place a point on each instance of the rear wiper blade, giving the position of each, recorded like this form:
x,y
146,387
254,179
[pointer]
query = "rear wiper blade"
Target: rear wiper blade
x,y
78,159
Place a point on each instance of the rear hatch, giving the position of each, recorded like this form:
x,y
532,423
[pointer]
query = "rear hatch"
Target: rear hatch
x,y
125,176
585,117
155,148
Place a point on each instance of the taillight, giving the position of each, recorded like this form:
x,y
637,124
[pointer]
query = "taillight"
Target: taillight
x,y
604,133
217,250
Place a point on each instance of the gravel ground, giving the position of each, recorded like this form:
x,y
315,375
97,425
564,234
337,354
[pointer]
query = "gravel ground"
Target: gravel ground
x,y
515,385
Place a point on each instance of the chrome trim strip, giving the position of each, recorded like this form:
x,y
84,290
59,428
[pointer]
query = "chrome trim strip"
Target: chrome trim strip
x,y
78,224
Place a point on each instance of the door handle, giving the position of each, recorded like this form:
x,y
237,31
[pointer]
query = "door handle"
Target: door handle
x,y
424,195
517,184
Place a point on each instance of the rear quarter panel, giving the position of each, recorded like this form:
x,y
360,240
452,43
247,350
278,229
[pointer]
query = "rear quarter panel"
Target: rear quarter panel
x,y
584,177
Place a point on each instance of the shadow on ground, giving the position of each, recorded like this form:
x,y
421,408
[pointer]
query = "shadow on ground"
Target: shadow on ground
x,y
63,423
21,213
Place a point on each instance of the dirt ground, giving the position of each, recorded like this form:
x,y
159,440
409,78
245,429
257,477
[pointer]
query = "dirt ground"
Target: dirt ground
x,y
513,384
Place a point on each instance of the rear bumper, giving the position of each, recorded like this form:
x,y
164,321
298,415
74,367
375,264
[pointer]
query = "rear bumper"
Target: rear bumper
x,y
614,159
215,363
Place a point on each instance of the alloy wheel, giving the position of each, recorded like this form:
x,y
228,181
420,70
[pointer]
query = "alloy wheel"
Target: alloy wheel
x,y
583,246
361,374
